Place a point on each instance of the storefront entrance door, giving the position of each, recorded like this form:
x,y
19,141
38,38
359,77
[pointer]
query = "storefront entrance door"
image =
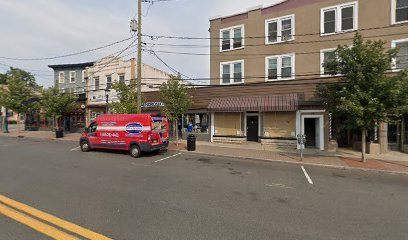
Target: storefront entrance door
x,y
252,128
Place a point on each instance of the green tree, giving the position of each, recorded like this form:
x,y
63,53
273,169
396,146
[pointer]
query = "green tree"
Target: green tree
x,y
365,94
127,96
55,103
176,99
16,73
18,96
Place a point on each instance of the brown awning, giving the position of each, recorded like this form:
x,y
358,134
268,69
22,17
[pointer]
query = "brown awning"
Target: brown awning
x,y
270,103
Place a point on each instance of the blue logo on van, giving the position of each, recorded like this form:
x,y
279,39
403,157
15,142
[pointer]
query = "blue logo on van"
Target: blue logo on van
x,y
134,128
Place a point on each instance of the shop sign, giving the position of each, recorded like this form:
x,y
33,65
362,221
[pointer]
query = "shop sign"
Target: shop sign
x,y
152,104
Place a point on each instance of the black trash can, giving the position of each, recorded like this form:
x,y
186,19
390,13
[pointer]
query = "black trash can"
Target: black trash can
x,y
59,133
191,142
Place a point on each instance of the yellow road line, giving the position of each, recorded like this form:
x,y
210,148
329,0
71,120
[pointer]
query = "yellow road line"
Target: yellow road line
x,y
52,219
35,224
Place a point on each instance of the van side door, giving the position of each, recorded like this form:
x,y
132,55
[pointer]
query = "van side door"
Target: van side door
x,y
92,134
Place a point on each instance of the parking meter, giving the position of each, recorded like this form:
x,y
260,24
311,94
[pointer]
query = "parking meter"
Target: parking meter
x,y
301,138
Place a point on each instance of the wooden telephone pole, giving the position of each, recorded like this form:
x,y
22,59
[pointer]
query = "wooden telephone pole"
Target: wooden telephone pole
x,y
139,57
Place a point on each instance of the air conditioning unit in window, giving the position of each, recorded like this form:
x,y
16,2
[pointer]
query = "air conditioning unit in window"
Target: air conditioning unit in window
x,y
286,38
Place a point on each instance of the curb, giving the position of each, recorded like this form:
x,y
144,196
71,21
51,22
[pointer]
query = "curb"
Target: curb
x,y
305,164
38,138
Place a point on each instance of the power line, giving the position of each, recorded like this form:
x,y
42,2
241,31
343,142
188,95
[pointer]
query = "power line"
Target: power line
x,y
67,55
255,37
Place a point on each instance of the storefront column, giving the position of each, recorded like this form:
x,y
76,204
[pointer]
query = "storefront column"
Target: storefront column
x,y
212,129
383,137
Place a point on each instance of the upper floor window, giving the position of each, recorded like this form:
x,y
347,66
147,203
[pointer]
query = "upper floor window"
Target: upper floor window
x,y
72,76
280,67
325,56
280,29
232,72
399,11
121,78
109,82
340,18
96,83
401,61
61,77
83,75
232,38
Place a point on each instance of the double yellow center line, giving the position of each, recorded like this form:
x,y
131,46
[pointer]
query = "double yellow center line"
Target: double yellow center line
x,y
40,221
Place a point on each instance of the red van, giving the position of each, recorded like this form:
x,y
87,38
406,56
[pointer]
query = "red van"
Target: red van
x,y
136,133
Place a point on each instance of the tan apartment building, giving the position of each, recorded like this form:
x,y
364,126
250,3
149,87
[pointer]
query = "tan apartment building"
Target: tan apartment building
x,y
107,71
282,48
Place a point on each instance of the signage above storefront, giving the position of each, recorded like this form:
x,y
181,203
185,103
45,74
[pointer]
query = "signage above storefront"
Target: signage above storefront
x,y
152,104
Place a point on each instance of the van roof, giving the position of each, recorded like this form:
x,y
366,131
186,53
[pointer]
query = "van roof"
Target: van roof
x,y
123,118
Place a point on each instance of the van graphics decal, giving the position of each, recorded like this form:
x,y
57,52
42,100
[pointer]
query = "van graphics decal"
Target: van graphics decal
x,y
110,135
134,128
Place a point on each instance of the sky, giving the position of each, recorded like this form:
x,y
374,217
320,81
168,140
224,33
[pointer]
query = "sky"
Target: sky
x,y
48,28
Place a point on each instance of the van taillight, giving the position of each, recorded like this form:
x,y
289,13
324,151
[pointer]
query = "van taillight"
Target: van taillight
x,y
149,137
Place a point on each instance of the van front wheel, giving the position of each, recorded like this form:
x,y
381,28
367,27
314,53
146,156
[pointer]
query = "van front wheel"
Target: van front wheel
x,y
135,151
85,146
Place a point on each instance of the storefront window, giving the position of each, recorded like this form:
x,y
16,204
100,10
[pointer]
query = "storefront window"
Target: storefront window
x,y
196,123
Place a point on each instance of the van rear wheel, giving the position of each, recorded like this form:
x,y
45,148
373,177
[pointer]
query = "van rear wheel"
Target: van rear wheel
x,y
135,151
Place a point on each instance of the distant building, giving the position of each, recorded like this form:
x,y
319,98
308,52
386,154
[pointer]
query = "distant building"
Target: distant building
x,y
71,79
107,71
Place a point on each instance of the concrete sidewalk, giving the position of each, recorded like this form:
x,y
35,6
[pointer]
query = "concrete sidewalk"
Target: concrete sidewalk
x,y
344,158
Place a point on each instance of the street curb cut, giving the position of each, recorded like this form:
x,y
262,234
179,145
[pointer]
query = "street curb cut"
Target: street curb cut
x,y
305,163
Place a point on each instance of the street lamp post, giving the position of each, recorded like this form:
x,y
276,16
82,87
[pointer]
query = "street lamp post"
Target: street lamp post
x,y
107,100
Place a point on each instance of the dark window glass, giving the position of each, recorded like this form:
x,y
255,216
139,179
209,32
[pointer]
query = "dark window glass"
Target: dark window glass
x,y
237,38
347,18
237,72
96,83
226,73
330,21
273,32
273,68
93,127
226,40
328,56
108,82
122,78
286,29
402,57
402,11
286,67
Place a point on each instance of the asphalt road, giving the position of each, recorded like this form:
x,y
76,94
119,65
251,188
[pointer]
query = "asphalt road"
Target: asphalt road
x,y
192,196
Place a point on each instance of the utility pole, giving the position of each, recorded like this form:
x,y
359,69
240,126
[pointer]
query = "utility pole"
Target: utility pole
x,y
139,58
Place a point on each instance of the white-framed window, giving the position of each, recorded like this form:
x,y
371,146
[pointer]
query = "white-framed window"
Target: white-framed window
x,y
61,77
121,78
280,67
401,61
339,18
108,81
232,72
72,76
326,55
280,29
96,83
232,38
83,75
62,90
399,11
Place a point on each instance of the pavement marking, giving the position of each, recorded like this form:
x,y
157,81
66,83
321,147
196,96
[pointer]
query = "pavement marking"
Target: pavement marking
x,y
52,219
35,224
279,185
307,175
75,149
167,157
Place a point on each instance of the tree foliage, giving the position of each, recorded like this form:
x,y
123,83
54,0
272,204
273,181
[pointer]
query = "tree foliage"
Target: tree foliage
x,y
18,95
16,73
365,94
175,97
127,96
55,103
